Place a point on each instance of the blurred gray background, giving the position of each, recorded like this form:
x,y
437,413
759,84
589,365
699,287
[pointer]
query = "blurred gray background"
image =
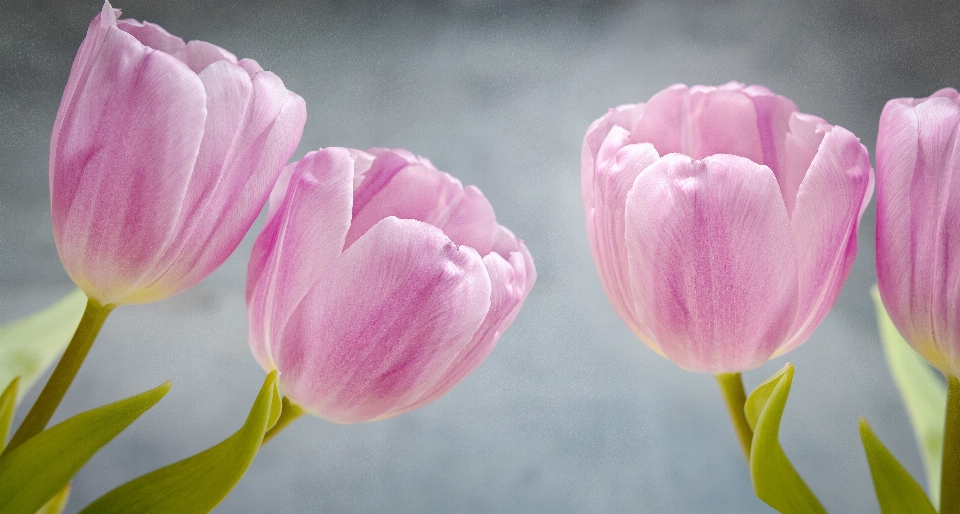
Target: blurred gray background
x,y
570,414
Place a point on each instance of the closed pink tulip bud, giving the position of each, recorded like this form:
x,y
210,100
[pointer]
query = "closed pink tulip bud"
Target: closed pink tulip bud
x,y
918,223
723,222
163,153
378,283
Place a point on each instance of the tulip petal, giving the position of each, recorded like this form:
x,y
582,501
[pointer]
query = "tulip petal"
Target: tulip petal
x,y
625,117
125,141
420,192
918,219
253,126
699,122
152,35
250,66
511,282
617,166
713,268
389,315
200,54
830,202
800,146
298,244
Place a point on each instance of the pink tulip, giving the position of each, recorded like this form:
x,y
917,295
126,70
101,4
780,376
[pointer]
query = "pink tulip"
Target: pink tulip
x,y
723,222
163,154
918,223
378,283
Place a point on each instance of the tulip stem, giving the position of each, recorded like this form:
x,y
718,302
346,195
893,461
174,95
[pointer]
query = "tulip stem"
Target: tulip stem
x,y
731,385
950,472
56,387
289,411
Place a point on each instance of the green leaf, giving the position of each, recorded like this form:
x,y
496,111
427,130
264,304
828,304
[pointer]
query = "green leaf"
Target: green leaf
x,y
35,471
923,393
198,483
897,491
774,479
57,503
28,346
8,404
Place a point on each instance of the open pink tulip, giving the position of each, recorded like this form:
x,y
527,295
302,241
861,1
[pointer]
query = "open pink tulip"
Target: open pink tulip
x,y
378,283
162,156
918,223
723,222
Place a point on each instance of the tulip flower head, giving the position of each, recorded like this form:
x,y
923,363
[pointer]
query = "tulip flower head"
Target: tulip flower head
x,y
918,223
378,283
163,154
723,222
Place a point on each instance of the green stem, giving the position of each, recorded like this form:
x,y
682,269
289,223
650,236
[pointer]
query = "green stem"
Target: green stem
x,y
731,385
950,472
48,401
289,411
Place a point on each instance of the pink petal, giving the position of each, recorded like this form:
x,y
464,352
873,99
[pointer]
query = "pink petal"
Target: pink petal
x,y
471,221
253,128
830,203
200,54
625,117
800,145
712,261
918,218
419,191
250,66
152,35
298,243
124,144
375,177
617,166
383,323
699,122
511,282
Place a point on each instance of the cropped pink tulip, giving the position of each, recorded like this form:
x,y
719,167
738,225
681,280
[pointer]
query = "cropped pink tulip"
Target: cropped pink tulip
x,y
163,154
723,222
918,223
378,283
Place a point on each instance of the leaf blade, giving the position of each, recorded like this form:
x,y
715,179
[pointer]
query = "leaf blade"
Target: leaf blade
x,y
29,345
35,471
923,393
8,405
897,491
57,503
198,483
775,481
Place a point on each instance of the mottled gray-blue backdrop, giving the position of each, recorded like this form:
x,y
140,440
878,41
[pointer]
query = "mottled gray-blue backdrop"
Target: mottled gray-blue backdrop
x,y
570,413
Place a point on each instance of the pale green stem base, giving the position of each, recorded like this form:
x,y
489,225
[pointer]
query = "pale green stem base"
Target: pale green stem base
x,y
48,401
950,473
731,385
289,411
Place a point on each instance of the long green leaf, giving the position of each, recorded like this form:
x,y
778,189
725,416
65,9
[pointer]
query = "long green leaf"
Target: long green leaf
x,y
774,479
28,346
897,491
35,471
198,483
923,394
57,503
8,404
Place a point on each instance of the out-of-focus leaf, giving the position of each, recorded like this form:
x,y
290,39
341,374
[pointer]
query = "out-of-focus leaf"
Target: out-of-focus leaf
x,y
774,479
29,345
57,503
923,393
8,404
198,483
897,491
35,471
